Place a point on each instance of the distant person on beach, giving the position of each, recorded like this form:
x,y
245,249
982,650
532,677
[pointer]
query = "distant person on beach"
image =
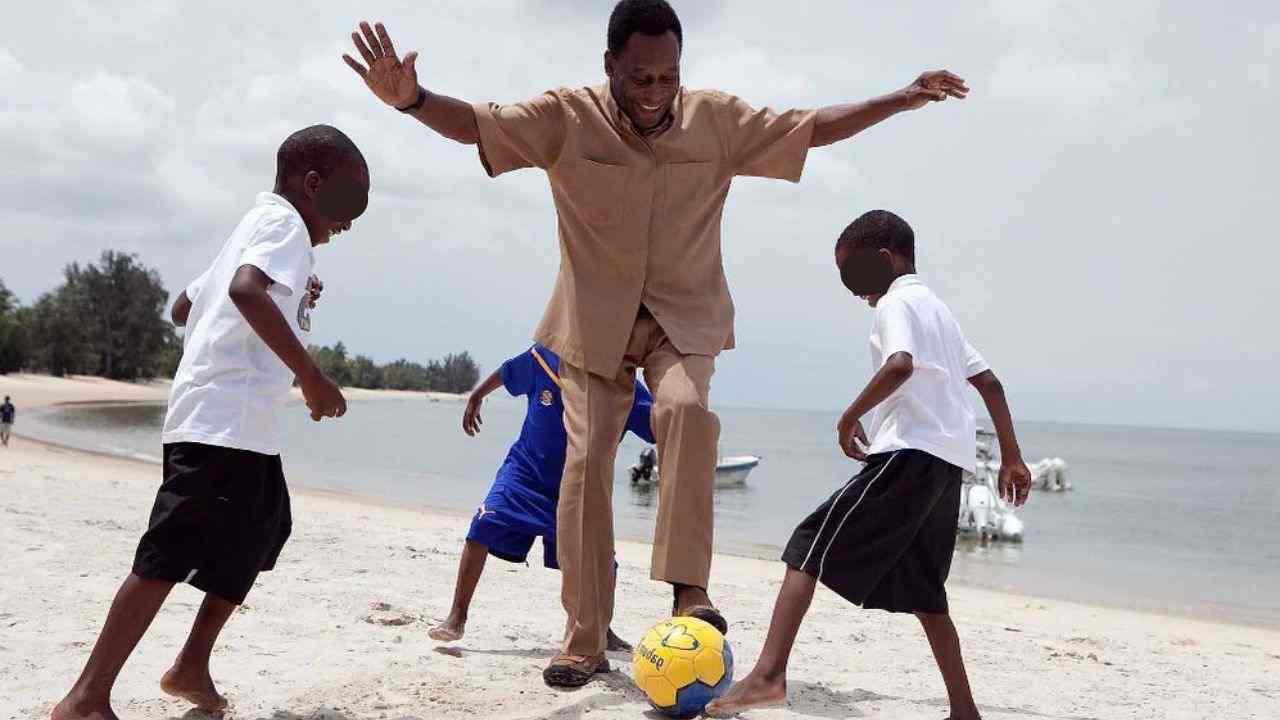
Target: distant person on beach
x,y
221,515
523,501
885,539
639,167
7,413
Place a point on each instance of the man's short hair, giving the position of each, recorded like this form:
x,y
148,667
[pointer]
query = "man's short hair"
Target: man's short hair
x,y
647,17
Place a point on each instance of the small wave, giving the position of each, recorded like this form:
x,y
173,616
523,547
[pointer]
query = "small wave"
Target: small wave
x,y
131,453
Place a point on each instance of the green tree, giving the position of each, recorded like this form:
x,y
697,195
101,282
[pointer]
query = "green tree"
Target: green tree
x,y
365,373
459,373
405,375
121,306
169,357
59,343
332,361
13,333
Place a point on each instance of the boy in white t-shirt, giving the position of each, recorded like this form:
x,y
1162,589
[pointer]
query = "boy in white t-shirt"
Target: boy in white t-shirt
x,y
222,514
885,539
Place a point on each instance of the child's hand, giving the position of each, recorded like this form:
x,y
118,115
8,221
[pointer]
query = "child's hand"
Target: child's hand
x,y
848,433
323,398
1015,482
471,420
314,288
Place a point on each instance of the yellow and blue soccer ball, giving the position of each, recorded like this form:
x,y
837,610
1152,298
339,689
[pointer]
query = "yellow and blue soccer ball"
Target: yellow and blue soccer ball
x,y
682,664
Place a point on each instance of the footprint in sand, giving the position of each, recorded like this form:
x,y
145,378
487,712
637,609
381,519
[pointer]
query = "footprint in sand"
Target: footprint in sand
x,y
383,614
1084,640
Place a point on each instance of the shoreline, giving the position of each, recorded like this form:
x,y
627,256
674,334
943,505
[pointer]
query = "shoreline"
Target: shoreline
x,y
757,552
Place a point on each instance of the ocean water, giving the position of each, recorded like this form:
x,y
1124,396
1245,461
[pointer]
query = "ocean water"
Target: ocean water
x,y
1175,521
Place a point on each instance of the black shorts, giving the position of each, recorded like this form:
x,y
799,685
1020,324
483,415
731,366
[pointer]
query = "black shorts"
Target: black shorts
x,y
885,539
221,516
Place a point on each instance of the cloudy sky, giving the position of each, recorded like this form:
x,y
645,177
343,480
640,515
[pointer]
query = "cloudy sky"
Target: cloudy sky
x,y
1100,213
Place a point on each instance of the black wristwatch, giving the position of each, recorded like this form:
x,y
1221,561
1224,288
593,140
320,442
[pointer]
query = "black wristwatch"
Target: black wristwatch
x,y
422,98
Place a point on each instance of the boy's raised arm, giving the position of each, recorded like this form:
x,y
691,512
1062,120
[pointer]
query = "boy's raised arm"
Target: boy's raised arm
x,y
249,293
1015,479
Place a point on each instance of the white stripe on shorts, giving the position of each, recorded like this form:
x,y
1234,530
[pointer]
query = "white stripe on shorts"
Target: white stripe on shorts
x,y
822,563
832,509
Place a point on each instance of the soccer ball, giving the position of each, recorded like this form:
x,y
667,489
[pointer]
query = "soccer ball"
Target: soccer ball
x,y
682,664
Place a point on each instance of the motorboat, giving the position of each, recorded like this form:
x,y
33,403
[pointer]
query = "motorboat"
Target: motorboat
x,y
983,513
731,471
1047,474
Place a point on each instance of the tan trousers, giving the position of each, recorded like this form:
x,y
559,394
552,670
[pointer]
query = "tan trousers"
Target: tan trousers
x,y
595,417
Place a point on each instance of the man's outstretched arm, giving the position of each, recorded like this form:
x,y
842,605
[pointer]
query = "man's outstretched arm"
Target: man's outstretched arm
x,y
395,82
841,122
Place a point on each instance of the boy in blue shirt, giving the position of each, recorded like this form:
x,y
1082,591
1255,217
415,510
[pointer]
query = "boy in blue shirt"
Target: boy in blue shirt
x,y
524,498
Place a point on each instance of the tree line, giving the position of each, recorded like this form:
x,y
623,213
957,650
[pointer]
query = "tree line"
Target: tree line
x,y
456,373
108,319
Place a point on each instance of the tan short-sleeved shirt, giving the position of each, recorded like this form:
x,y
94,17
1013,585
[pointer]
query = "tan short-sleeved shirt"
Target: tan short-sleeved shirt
x,y
639,217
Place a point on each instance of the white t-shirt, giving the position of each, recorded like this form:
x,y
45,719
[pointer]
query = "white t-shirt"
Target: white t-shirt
x,y
230,385
931,411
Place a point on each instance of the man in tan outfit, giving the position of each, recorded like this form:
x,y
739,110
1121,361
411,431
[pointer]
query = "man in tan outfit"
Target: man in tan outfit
x,y
639,170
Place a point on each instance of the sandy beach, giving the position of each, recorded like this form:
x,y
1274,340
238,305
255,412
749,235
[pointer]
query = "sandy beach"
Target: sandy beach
x,y
338,630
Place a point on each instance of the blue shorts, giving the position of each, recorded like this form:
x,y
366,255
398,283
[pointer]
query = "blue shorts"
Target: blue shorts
x,y
512,515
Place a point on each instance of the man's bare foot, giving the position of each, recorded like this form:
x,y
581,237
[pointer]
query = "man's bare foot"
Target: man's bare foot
x,y
72,708
750,692
613,643
448,631
195,689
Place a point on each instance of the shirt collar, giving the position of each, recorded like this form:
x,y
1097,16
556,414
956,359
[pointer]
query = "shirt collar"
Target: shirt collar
x,y
624,124
270,198
904,281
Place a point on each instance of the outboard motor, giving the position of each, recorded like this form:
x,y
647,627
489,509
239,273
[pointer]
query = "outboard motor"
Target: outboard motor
x,y
643,470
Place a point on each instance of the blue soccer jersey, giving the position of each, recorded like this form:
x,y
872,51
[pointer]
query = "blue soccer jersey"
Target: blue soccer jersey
x,y
538,454
521,505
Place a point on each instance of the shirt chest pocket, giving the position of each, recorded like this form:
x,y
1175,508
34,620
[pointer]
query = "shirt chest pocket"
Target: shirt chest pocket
x,y
597,190
690,187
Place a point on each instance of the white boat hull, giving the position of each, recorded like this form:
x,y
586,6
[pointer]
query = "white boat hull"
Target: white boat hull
x,y
733,471
983,514
730,472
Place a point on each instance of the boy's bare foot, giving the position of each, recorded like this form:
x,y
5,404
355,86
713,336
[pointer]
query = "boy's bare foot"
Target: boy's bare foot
x,y
448,631
74,709
750,692
198,691
613,643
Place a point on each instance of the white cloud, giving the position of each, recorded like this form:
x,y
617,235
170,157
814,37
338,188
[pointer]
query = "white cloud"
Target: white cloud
x,y
11,68
728,63
1264,71
118,115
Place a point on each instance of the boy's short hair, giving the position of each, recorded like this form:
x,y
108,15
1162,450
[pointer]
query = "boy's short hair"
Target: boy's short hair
x,y
647,17
880,229
320,147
